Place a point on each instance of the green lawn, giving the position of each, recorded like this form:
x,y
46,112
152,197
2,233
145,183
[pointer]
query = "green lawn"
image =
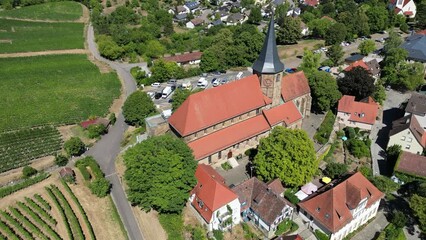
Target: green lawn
x,y
53,89
58,11
39,36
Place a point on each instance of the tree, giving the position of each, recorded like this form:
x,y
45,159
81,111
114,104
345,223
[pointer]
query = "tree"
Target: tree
x,y
255,15
418,205
319,27
96,130
281,12
335,170
362,27
179,97
108,48
100,187
310,61
154,49
28,171
160,173
289,32
385,184
377,18
137,107
335,34
421,15
74,146
379,93
324,91
392,42
286,154
366,47
335,54
61,160
398,219
357,82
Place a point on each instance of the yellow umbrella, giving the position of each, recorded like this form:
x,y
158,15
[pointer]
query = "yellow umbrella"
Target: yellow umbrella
x,y
326,180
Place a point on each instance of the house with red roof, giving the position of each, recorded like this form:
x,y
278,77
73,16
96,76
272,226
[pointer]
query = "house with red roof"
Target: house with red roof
x,y
217,206
411,164
185,58
312,3
341,209
351,113
404,7
222,122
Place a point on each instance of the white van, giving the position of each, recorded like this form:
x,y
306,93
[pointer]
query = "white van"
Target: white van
x,y
166,92
202,83
187,85
239,75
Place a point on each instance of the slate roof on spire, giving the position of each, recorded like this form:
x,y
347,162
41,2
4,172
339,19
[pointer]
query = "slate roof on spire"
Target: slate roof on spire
x,y
268,60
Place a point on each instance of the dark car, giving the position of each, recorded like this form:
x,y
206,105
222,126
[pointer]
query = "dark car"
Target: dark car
x,y
224,81
214,79
158,95
173,87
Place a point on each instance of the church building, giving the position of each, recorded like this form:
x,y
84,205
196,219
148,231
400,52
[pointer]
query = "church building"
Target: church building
x,y
222,122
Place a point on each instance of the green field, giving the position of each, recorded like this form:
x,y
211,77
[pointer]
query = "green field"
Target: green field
x,y
55,89
57,11
22,36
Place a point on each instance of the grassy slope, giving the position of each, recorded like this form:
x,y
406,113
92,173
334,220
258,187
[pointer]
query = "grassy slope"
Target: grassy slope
x,y
53,89
38,36
58,11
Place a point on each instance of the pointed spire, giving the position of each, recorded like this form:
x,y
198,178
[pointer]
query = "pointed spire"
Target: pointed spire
x,y
268,60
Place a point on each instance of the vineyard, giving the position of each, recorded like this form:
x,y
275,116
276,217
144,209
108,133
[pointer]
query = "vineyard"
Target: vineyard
x,y
19,147
32,218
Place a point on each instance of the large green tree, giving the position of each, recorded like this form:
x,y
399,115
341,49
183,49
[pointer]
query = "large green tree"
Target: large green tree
x,y
357,82
377,18
137,107
418,205
421,15
289,31
286,154
324,91
392,42
335,34
335,54
160,174
255,15
366,47
319,27
310,61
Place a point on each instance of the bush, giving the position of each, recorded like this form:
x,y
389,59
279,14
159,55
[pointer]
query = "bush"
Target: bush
x,y
173,225
218,235
359,148
321,236
61,160
335,170
283,227
74,146
226,166
112,118
385,184
366,171
4,191
398,219
100,187
28,171
96,130
325,129
290,195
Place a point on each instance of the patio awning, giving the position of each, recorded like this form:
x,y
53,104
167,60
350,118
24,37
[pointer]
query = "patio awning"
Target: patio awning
x,y
326,180
301,195
309,188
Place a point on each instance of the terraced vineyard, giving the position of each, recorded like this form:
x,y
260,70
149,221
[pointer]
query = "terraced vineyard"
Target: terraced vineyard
x,y
33,218
17,148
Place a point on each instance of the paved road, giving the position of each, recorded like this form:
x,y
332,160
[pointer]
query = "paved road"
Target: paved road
x,y
106,150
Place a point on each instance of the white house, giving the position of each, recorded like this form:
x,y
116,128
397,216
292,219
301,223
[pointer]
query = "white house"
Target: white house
x,y
404,7
192,58
357,114
217,207
194,23
342,209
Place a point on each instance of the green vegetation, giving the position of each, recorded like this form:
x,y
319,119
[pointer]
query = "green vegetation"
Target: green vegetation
x,y
418,205
72,86
43,202
74,146
137,107
61,211
320,235
358,142
385,184
367,46
40,211
286,226
335,170
357,82
290,194
17,148
9,232
392,232
61,160
4,191
226,166
218,234
173,225
100,186
248,233
40,36
324,91
57,11
96,130
16,225
28,171
325,129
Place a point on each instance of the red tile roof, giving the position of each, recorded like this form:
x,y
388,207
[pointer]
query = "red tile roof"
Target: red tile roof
x,y
294,85
286,112
87,123
186,57
408,13
423,32
276,186
412,164
228,136
359,63
418,131
211,190
215,105
359,111
312,3
332,207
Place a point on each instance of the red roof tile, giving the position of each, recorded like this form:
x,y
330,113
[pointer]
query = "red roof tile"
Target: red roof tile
x,y
330,208
312,3
412,164
229,136
360,111
408,13
418,131
87,123
276,186
215,105
286,112
358,63
186,57
211,190
294,85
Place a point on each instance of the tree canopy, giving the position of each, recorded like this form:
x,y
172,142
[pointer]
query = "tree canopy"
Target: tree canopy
x,y
310,61
357,82
137,107
324,91
255,15
366,47
335,170
289,32
335,34
74,146
286,154
335,54
160,173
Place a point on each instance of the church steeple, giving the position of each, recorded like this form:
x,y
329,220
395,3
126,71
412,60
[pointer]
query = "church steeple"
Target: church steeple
x,y
268,61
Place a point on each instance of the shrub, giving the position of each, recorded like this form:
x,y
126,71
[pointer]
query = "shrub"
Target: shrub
x,y
4,191
100,187
218,235
28,171
398,219
366,171
359,148
61,160
336,169
325,129
385,184
112,118
173,225
321,236
74,146
226,166
96,130
283,227
289,194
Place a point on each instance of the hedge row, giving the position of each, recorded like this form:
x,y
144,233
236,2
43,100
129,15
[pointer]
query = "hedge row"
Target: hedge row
x,y
82,212
43,202
84,172
53,234
72,218
19,228
24,220
8,231
4,191
40,211
90,162
61,211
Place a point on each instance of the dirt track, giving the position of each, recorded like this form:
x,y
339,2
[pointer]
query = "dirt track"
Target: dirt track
x,y
50,52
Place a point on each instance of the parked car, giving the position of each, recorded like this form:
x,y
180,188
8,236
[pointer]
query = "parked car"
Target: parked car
x,y
289,70
158,95
216,83
172,81
156,84
151,94
224,80
202,83
214,79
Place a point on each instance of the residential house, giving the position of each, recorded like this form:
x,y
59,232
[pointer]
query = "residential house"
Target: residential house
x,y
351,113
404,7
180,17
342,209
354,58
294,12
186,58
411,164
289,237
416,47
222,122
179,10
192,6
103,121
217,207
194,23
262,205
215,23
312,3
235,18
372,67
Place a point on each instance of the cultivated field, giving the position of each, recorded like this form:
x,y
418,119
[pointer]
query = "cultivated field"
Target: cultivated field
x,y
54,89
23,36
56,11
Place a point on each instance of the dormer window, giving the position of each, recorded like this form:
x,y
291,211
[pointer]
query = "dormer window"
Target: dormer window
x,y
200,204
318,209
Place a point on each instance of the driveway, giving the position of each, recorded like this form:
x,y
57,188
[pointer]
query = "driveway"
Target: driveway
x,y
311,124
372,230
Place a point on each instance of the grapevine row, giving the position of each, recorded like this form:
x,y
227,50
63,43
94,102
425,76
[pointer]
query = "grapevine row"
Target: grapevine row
x,y
4,191
8,231
26,235
61,211
40,211
33,228
42,201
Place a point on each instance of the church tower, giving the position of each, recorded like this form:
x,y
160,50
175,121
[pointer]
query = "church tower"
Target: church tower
x,y
269,68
